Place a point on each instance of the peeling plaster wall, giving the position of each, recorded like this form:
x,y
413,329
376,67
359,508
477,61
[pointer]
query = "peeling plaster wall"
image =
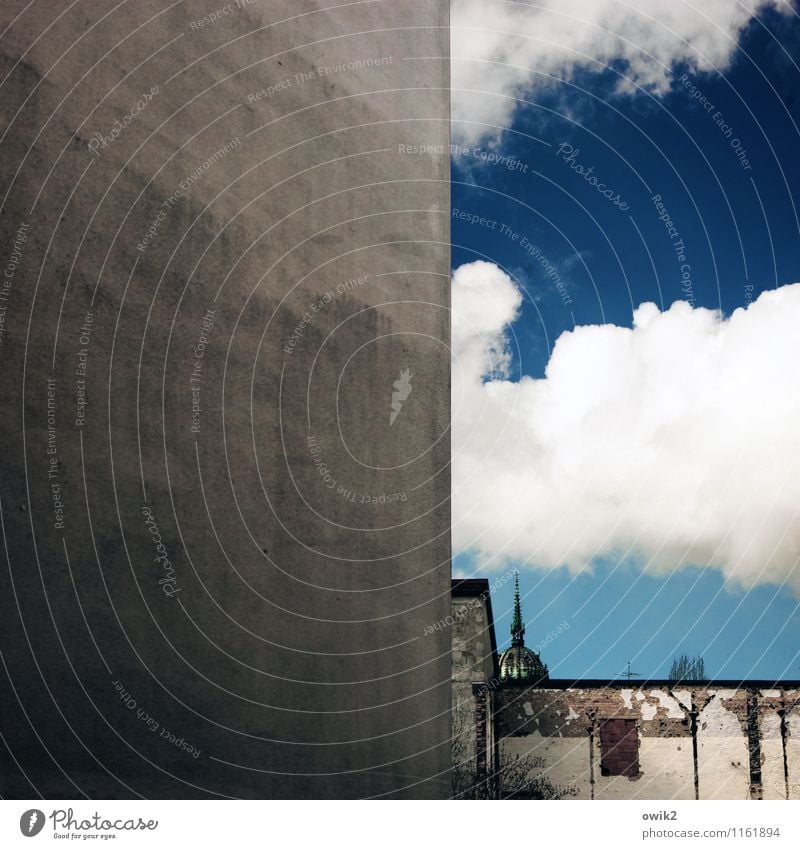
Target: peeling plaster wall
x,y
793,752
723,755
773,776
561,726
780,743
566,759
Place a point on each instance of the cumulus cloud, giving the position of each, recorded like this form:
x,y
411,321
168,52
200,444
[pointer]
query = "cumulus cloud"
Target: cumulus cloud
x,y
675,441
508,48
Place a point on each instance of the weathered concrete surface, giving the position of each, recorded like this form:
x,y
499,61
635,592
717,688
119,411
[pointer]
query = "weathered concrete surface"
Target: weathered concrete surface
x,y
231,279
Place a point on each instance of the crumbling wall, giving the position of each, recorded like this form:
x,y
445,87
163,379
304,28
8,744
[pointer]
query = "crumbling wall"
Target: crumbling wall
x,y
693,742
722,740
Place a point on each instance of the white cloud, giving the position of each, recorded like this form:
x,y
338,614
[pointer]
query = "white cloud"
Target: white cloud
x,y
506,47
677,439
488,301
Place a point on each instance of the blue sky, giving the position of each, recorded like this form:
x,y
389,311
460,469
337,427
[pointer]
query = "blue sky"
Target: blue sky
x,y
736,217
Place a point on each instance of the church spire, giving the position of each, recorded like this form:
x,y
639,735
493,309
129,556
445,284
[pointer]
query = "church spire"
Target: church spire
x,y
519,664
517,628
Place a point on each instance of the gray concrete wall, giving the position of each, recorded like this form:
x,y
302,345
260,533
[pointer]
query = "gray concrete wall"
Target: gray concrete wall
x,y
222,551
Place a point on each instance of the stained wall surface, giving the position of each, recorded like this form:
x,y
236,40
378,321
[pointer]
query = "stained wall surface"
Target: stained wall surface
x,y
225,369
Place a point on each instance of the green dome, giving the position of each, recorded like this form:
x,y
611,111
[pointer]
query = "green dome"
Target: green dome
x,y
521,664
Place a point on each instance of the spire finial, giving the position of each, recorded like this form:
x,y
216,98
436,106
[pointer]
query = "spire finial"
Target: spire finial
x,y
517,628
